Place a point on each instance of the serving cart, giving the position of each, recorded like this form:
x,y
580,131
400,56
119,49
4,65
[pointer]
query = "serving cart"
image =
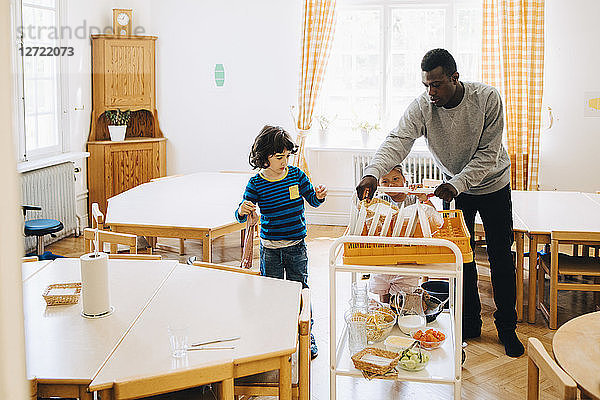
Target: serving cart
x,y
444,367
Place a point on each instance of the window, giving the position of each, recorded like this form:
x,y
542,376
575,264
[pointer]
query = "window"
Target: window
x,y
38,80
375,67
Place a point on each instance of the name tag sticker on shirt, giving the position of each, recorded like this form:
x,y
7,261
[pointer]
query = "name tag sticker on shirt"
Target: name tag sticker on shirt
x,y
294,192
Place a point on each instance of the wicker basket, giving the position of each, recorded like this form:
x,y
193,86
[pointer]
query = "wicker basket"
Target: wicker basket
x,y
454,229
390,357
60,299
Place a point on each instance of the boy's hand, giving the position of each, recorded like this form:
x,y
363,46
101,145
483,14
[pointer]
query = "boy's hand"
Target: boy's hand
x,y
423,198
246,207
321,192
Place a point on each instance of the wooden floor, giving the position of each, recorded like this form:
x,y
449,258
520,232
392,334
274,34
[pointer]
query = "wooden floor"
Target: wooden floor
x,y
487,373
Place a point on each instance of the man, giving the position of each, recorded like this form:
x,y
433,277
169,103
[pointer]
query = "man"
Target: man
x,y
462,123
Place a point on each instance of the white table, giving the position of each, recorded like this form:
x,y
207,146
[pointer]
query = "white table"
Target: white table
x,y
543,212
213,304
196,206
28,269
64,350
445,364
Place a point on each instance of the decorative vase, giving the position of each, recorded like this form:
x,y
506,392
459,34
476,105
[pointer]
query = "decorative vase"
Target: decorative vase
x,y
117,132
364,134
322,136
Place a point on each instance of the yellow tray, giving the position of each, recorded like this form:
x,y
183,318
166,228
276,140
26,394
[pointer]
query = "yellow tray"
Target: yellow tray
x,y
454,229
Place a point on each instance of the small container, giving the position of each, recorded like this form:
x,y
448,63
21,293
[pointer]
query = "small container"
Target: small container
x,y
380,324
414,359
178,340
429,344
357,331
398,343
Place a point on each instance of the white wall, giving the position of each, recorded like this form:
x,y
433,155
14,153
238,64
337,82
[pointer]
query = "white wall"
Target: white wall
x,y
211,128
12,338
258,42
83,16
569,150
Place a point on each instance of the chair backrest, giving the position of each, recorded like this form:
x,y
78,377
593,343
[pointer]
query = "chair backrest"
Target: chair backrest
x,y
30,259
134,257
97,217
109,237
539,359
226,268
304,347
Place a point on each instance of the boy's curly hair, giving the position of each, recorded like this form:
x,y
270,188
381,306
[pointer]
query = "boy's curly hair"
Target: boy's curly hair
x,y
271,140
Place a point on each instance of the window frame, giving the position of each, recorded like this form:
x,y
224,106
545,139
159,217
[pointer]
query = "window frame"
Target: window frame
x,y
23,155
387,116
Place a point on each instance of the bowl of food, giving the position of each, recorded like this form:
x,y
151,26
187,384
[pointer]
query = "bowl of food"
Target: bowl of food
x,y
398,343
379,324
414,359
429,339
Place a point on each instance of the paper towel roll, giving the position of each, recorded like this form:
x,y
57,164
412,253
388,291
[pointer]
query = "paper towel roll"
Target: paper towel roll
x,y
95,289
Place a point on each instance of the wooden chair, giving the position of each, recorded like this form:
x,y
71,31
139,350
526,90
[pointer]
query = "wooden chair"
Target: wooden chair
x,y
267,384
539,359
555,264
30,259
226,268
109,237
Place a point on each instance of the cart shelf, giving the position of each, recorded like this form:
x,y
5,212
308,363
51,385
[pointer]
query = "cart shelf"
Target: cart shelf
x,y
444,367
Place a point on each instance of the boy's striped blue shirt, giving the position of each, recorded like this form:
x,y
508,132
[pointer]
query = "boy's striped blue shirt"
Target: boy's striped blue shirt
x,y
281,204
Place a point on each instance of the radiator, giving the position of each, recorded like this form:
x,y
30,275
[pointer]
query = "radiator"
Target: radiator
x,y
53,189
416,167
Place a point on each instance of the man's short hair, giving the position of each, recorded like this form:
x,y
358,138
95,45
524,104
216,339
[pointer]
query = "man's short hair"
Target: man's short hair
x,y
439,58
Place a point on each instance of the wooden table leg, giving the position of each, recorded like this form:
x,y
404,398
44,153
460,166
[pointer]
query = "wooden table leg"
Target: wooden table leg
x,y
242,237
84,394
181,247
532,278
285,378
225,389
520,261
206,249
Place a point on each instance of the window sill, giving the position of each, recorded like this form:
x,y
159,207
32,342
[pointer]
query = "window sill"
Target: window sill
x,y
26,166
354,142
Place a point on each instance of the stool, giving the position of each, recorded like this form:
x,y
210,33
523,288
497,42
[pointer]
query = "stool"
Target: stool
x,y
40,228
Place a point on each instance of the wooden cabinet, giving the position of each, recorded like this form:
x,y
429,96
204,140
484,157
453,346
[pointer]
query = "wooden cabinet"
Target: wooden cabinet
x,y
114,167
123,77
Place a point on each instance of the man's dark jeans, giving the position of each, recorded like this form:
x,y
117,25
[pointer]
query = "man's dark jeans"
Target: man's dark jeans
x,y
495,210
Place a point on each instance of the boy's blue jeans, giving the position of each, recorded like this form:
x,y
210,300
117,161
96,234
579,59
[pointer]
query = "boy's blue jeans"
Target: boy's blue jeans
x,y
287,262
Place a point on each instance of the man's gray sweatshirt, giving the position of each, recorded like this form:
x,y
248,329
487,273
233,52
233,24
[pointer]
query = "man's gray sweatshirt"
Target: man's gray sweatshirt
x,y
465,141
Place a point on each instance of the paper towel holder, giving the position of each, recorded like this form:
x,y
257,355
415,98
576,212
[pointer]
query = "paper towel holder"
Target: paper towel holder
x,y
110,308
101,315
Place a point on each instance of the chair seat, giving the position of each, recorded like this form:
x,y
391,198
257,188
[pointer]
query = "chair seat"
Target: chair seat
x,y
41,227
573,265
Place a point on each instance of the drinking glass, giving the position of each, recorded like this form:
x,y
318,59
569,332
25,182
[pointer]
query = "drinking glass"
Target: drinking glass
x,y
178,339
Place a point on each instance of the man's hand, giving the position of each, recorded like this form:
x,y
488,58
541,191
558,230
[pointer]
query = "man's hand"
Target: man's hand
x,y
246,208
366,187
446,192
321,192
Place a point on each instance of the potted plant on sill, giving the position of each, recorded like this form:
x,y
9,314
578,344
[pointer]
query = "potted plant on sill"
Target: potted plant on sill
x,y
325,122
118,124
366,128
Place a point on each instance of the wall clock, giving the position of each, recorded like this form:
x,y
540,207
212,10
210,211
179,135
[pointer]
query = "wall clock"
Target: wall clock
x,y
122,21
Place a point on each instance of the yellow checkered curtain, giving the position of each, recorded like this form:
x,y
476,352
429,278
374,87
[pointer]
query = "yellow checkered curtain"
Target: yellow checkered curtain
x,y
319,25
513,61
